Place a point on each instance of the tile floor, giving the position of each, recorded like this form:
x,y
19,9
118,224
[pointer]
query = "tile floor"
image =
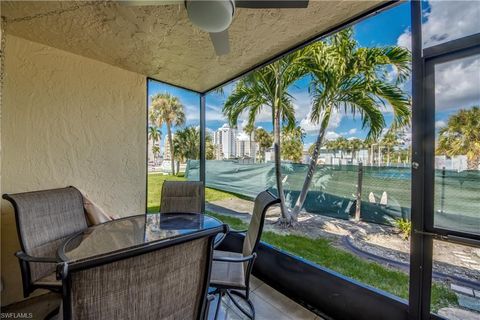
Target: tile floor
x,y
269,304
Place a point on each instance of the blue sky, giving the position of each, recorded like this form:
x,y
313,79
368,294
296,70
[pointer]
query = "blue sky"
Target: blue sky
x,y
390,27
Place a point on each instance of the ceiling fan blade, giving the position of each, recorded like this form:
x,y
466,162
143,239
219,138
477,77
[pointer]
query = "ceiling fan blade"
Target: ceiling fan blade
x,y
271,4
220,42
139,3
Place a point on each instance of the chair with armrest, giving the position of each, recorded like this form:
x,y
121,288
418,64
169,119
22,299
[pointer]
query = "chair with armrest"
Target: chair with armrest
x,y
44,220
182,197
168,280
231,270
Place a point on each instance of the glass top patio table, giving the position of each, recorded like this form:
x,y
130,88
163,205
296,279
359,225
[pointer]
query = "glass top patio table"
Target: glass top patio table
x,y
132,233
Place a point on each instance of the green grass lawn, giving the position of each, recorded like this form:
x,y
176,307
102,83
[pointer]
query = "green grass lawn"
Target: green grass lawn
x,y
321,252
155,182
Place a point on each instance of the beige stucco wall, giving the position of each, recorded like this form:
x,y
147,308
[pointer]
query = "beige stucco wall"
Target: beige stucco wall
x,y
68,120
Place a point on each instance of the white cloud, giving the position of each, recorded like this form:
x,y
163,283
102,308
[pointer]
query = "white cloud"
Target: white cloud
x,y
448,20
308,126
265,115
457,83
192,112
352,131
331,135
405,40
312,128
214,113
301,104
440,124
445,21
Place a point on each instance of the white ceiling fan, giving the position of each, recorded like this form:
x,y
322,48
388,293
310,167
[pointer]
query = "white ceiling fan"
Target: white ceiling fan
x,y
215,16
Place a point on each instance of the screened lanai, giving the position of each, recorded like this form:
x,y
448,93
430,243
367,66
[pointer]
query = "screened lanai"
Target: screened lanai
x,y
385,231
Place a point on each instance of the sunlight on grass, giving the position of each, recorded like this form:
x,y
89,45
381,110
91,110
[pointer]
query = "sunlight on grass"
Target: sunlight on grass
x,y
321,252
234,223
155,182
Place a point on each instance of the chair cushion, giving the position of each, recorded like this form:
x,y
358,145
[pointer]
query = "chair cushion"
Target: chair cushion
x,y
227,274
182,197
49,280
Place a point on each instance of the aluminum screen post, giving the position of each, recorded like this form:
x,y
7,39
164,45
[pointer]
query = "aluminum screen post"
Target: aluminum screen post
x,y
421,245
202,144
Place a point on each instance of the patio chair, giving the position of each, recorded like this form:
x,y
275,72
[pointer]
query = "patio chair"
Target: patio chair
x,y
182,197
231,270
44,220
168,280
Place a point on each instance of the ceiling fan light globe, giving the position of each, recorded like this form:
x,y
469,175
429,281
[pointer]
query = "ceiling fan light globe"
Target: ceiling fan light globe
x,y
211,15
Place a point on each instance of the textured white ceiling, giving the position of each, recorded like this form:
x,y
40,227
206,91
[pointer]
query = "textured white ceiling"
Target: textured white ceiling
x,y
160,41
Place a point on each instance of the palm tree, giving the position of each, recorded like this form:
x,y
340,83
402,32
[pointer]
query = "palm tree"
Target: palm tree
x,y
342,145
292,144
354,79
209,148
264,140
330,145
267,88
167,109
249,128
155,135
368,144
389,141
155,151
186,144
355,144
461,136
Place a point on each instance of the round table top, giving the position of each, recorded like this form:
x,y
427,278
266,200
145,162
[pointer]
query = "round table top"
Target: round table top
x,y
132,232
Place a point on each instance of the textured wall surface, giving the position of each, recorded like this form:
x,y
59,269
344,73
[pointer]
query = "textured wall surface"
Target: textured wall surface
x,y
165,44
68,120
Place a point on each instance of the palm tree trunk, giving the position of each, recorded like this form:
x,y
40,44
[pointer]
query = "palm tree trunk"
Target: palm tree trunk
x,y
313,163
276,111
286,217
388,156
170,142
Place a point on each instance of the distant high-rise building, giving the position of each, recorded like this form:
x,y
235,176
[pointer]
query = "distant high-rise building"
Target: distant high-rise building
x,y
225,137
167,153
246,147
229,143
218,152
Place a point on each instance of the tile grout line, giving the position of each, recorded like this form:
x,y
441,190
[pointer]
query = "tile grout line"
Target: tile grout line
x,y
257,288
234,310
273,306
290,301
